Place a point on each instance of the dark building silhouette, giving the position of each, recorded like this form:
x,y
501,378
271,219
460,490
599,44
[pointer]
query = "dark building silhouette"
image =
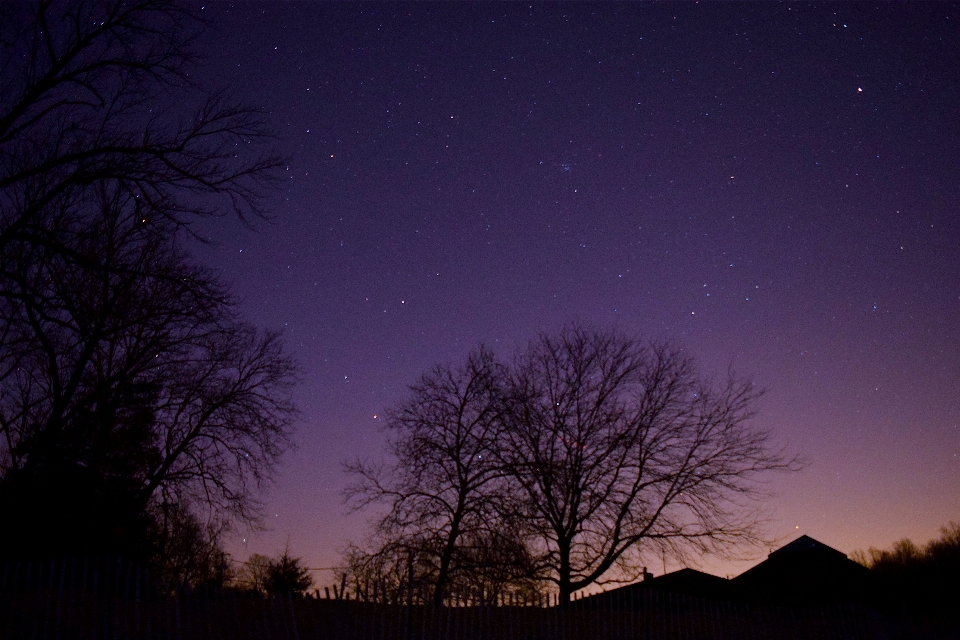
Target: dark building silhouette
x,y
805,571
692,583
653,592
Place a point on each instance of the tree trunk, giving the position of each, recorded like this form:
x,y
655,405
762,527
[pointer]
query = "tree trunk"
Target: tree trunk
x,y
566,587
443,576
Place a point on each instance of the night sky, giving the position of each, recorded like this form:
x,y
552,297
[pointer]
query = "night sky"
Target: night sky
x,y
775,187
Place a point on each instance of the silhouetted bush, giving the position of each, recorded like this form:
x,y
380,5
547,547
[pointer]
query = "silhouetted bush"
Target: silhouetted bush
x,y
919,578
286,575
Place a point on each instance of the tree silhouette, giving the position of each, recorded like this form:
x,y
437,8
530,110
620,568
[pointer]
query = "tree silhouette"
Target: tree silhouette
x,y
618,447
286,575
253,575
589,451
93,95
446,488
132,392
920,577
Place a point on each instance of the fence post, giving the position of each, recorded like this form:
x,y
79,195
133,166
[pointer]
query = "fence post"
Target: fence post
x,y
293,617
46,612
409,625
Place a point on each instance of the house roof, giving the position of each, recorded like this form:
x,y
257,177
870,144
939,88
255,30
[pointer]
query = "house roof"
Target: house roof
x,y
690,582
805,570
806,544
699,586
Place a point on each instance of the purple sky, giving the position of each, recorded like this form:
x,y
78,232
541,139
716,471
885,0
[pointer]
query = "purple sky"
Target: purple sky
x,y
776,187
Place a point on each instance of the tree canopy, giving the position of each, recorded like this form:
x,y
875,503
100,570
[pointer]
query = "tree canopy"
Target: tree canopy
x,y
920,576
595,449
138,412
445,489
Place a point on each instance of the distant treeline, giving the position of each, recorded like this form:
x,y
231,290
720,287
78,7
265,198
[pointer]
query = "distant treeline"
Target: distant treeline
x,y
919,577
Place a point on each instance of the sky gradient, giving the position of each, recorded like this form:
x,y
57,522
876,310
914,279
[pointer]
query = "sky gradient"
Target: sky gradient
x,y
775,187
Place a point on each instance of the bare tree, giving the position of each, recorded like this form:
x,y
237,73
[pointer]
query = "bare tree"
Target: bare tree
x,y
620,447
445,486
132,396
487,568
130,368
95,93
395,571
252,576
496,565
191,549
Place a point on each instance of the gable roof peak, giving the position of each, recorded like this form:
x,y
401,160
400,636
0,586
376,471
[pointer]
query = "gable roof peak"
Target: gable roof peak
x,y
805,544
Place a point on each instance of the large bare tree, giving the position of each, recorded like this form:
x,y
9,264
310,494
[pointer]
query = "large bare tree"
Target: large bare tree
x,y
130,390
591,451
620,447
445,487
